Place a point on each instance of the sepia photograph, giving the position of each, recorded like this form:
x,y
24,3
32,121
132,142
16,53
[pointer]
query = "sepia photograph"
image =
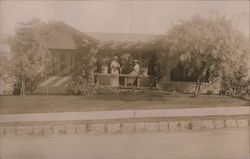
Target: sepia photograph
x,y
127,79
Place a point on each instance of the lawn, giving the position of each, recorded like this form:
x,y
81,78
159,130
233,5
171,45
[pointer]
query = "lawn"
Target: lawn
x,y
43,104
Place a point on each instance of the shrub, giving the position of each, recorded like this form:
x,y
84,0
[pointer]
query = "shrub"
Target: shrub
x,y
30,86
209,92
82,85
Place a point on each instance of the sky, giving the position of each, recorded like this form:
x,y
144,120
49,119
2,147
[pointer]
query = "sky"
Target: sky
x,y
153,17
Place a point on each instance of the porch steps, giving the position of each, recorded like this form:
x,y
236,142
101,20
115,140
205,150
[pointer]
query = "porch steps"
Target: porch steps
x,y
61,81
46,82
53,85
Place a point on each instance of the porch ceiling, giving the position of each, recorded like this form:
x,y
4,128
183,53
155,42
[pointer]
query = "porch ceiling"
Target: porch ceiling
x,y
124,45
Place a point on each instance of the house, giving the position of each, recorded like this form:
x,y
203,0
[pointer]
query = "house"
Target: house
x,y
64,44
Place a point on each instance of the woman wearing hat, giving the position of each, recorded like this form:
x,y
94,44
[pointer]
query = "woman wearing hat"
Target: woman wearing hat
x,y
135,72
115,70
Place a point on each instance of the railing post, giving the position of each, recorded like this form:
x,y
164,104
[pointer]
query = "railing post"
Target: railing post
x,y
125,81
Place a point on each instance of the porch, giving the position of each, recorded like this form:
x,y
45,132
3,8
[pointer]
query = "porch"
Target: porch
x,y
141,81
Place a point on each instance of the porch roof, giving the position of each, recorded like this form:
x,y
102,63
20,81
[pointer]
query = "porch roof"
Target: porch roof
x,y
64,36
122,37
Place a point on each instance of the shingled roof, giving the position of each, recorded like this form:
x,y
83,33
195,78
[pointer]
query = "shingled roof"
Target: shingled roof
x,y
63,36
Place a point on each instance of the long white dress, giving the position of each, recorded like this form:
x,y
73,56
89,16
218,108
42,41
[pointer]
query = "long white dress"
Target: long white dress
x,y
115,69
135,72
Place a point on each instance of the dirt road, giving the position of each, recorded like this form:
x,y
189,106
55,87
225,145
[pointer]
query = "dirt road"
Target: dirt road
x,y
206,144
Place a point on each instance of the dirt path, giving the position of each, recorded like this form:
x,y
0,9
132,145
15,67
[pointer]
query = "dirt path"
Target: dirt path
x,y
209,144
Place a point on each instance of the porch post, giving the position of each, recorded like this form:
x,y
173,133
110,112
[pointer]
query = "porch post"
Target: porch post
x,y
138,82
97,80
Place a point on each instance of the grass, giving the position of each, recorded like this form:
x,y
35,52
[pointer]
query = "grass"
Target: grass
x,y
44,104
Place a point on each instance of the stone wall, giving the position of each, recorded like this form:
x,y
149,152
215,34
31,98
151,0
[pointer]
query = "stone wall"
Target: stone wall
x,y
119,127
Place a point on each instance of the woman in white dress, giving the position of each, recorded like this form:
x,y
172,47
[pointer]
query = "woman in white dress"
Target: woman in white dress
x,y
135,72
115,70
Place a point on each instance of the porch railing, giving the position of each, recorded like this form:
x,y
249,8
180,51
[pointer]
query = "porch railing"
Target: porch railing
x,y
126,77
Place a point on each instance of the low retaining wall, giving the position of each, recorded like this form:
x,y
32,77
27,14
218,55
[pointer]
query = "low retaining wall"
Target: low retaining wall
x,y
116,127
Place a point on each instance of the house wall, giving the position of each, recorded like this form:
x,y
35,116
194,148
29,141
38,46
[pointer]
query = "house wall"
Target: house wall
x,y
63,62
167,84
185,86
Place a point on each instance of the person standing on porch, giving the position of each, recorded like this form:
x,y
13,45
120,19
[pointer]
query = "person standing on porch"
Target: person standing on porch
x,y
154,74
115,70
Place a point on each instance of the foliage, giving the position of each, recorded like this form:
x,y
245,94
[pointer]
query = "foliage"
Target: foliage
x,y
30,86
29,56
82,85
207,45
235,86
107,90
4,66
89,49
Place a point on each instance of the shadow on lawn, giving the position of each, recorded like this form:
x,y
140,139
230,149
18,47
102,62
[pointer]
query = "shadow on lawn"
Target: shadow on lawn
x,y
131,97
187,99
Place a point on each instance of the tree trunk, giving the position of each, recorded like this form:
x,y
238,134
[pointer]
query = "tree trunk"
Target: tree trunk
x,y
197,87
199,79
22,88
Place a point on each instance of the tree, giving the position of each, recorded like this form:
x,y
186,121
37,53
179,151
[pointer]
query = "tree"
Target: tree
x,y
29,55
204,46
